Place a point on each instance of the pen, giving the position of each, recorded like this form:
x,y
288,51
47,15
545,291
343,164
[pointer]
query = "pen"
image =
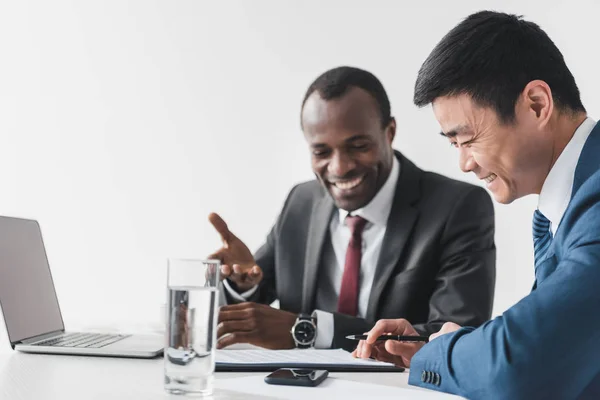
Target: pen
x,y
392,337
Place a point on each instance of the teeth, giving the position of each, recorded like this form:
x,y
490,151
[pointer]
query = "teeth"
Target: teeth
x,y
489,178
347,185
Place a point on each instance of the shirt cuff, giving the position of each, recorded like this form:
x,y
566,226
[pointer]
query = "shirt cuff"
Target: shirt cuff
x,y
239,297
324,329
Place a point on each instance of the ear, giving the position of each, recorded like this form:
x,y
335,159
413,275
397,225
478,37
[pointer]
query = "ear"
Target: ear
x,y
390,131
537,98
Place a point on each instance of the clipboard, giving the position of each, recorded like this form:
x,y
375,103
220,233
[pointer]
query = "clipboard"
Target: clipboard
x,y
337,360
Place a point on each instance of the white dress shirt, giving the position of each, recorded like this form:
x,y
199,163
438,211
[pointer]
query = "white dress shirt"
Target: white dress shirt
x,y
376,213
556,191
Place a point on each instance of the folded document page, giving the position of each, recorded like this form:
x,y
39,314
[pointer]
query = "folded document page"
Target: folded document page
x,y
265,360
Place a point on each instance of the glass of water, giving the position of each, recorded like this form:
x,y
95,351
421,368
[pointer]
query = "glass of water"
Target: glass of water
x,y
191,326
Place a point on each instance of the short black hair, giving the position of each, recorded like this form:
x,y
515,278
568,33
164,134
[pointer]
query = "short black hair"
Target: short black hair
x,y
335,83
492,56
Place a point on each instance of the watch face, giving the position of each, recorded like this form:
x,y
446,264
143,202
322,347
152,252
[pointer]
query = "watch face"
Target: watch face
x,y
304,332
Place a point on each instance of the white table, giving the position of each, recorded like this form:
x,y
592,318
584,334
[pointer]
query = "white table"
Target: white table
x,y
37,376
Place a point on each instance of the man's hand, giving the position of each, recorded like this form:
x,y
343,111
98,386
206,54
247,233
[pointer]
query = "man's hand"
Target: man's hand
x,y
448,327
399,353
257,324
237,262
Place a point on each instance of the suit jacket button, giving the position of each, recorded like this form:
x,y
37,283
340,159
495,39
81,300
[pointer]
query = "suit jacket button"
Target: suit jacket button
x,y
424,376
437,379
429,376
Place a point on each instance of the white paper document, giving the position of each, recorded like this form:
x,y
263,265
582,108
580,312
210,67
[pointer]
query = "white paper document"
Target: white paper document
x,y
295,357
254,387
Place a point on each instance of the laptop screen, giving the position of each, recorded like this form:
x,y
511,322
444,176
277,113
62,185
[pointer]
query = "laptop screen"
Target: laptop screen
x,y
27,294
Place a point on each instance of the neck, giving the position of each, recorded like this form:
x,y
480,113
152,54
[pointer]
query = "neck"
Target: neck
x,y
563,130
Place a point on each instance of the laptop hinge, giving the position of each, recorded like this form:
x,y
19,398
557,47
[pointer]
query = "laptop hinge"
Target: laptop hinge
x,y
39,338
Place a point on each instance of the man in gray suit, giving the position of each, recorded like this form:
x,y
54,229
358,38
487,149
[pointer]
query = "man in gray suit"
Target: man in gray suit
x,y
372,237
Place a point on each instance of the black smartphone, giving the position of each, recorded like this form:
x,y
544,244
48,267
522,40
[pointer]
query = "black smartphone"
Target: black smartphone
x,y
296,377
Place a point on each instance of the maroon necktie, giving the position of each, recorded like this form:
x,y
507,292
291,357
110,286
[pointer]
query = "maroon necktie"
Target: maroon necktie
x,y
348,300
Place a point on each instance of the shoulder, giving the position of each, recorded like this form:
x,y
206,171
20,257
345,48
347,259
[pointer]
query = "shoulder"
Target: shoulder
x,y
436,183
304,192
432,184
580,224
302,198
444,193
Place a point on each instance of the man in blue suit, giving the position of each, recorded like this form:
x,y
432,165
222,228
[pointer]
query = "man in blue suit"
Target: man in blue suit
x,y
504,97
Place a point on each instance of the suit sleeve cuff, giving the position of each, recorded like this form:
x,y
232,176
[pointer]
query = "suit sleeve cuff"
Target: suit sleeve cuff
x,y
324,329
239,297
428,367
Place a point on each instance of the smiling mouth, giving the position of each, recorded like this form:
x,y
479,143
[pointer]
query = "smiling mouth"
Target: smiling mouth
x,y
490,178
349,184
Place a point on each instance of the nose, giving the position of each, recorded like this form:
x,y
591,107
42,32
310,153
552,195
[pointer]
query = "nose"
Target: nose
x,y
340,164
466,161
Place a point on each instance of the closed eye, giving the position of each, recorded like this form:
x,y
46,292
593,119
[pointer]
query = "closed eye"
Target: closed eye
x,y
320,153
468,143
363,146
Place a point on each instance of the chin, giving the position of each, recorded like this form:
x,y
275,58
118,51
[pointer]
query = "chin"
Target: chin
x,y
504,197
358,200
347,205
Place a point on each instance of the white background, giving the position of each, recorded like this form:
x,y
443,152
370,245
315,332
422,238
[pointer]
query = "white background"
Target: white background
x,y
123,124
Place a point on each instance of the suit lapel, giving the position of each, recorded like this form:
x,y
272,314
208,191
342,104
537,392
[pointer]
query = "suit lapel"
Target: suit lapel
x,y
587,165
589,161
318,227
400,223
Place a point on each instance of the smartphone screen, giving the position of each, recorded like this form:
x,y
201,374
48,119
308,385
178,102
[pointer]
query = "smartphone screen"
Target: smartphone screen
x,y
296,377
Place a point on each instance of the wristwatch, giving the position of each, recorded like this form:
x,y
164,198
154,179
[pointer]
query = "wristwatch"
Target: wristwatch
x,y
304,331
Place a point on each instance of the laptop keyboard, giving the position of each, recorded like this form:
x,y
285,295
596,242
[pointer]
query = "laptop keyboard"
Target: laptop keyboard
x,y
81,340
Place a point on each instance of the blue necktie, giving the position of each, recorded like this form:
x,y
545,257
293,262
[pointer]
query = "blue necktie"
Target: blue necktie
x,y
542,237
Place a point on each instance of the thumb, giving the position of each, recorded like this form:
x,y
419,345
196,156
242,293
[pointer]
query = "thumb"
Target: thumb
x,y
399,348
221,227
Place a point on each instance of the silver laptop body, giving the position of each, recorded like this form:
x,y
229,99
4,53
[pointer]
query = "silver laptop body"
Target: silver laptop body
x,y
30,305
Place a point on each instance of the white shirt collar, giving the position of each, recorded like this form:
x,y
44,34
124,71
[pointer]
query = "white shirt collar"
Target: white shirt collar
x,y
378,209
556,191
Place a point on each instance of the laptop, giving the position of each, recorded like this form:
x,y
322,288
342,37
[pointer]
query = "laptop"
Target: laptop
x,y
30,305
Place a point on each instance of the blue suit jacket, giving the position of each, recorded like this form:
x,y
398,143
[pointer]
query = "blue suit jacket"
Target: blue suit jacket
x,y
547,346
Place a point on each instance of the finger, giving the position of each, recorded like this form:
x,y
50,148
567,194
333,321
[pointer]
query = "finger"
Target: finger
x,y
235,326
404,349
254,276
239,275
217,255
255,273
239,271
246,278
365,349
449,327
247,305
235,315
221,227
238,337
225,271
384,326
380,354
356,353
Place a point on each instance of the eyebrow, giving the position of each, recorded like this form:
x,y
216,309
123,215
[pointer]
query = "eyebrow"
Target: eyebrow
x,y
453,132
349,140
356,137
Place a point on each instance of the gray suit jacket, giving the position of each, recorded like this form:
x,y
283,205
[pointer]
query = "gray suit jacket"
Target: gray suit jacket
x,y
437,261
